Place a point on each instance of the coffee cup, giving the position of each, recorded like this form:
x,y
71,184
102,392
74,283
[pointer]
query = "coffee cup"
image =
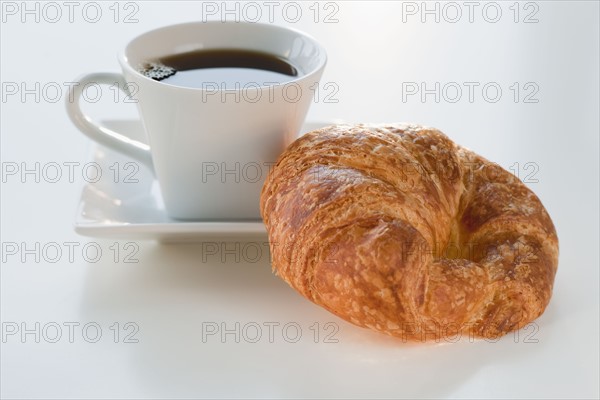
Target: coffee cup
x,y
211,145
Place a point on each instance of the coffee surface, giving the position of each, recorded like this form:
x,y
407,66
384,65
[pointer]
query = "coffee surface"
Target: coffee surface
x,y
221,68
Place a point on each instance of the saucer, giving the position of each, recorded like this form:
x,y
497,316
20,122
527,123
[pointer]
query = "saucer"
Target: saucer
x,y
121,199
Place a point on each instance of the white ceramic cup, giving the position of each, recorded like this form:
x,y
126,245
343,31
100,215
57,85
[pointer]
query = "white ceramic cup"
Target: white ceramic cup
x,y
209,149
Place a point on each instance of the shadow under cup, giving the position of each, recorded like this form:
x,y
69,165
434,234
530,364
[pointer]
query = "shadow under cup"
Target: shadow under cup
x,y
211,147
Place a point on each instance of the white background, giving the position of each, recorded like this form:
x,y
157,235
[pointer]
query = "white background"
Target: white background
x,y
174,290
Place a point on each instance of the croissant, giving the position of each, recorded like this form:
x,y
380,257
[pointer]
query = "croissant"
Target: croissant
x,y
398,229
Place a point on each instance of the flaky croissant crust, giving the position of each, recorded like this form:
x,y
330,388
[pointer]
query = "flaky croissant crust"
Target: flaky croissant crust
x,y
398,229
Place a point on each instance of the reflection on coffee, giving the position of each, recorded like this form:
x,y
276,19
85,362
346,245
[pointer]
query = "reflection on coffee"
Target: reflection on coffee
x,y
225,68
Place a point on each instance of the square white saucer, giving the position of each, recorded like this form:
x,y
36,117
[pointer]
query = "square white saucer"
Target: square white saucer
x,y
125,202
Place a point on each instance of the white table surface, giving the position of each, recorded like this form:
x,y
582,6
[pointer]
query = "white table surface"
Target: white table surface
x,y
175,292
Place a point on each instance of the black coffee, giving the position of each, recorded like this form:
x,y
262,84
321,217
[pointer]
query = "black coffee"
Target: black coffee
x,y
220,68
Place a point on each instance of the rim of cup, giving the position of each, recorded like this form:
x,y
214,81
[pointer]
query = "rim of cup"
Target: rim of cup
x,y
322,54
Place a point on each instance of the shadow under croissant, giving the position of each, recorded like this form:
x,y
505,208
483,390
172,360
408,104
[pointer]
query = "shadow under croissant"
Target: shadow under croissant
x,y
176,291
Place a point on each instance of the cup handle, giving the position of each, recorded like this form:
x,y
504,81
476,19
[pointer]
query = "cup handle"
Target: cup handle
x,y
101,134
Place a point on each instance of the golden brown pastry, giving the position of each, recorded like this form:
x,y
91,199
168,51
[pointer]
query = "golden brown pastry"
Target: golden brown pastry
x,y
398,229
